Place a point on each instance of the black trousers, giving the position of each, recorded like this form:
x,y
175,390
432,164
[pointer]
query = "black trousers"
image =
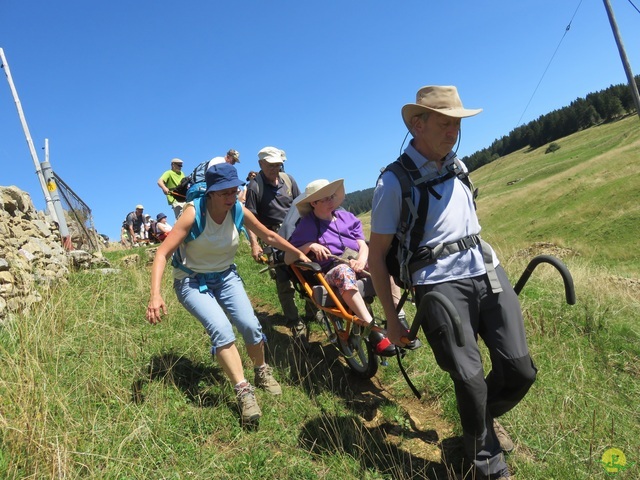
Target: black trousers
x,y
497,319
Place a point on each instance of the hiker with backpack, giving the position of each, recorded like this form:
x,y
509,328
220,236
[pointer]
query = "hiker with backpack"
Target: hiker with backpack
x,y
202,246
168,181
424,226
232,157
269,197
132,226
181,189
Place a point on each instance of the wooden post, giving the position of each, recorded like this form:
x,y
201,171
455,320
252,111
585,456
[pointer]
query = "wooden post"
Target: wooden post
x,y
623,57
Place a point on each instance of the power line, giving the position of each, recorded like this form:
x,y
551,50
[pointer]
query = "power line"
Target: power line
x,y
634,6
566,30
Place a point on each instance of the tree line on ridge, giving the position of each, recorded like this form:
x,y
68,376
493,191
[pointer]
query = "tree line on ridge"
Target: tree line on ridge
x,y
604,106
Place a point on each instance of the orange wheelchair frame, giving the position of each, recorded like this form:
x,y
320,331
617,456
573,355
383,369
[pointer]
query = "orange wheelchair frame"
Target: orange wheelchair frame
x,y
342,327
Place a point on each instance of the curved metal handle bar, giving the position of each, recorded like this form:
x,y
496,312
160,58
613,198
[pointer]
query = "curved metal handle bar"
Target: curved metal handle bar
x,y
569,290
313,266
451,311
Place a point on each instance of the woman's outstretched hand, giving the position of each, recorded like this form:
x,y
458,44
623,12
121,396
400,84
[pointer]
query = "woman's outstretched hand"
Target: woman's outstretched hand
x,y
156,309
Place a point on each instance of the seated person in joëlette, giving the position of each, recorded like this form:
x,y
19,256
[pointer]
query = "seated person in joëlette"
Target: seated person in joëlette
x,y
326,232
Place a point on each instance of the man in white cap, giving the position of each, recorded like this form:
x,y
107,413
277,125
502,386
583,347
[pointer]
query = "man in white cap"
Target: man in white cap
x,y
171,179
442,252
269,197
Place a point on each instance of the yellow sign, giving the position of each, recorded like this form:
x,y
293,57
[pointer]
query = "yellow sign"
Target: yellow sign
x,y
51,185
614,461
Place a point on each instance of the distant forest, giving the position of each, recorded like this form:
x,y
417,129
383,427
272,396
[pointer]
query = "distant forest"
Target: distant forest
x,y
603,106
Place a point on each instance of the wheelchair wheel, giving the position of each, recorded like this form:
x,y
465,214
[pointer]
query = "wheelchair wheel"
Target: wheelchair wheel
x,y
358,352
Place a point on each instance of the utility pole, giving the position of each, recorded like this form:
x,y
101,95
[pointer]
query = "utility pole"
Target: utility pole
x,y
52,188
50,209
623,57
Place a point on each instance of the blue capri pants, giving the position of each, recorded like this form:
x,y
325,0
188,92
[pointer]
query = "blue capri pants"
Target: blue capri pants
x,y
224,305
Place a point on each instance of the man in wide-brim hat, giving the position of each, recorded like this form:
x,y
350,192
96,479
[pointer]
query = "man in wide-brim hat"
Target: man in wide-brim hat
x,y
451,259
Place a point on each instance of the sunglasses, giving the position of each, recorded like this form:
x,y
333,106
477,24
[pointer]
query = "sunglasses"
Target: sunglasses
x,y
327,199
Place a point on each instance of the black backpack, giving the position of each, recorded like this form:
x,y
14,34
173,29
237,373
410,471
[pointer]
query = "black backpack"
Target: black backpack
x,y
180,191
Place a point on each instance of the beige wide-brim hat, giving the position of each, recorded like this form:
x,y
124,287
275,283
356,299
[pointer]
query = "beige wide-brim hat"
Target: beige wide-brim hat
x,y
317,190
441,99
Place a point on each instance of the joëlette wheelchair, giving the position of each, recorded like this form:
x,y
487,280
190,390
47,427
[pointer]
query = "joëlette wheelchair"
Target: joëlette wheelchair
x,y
342,327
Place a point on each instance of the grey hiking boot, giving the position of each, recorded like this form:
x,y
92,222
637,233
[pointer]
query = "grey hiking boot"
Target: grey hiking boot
x,y
247,403
506,443
300,333
476,475
264,379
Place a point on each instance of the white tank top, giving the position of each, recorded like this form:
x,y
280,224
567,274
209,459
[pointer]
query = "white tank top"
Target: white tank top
x,y
214,249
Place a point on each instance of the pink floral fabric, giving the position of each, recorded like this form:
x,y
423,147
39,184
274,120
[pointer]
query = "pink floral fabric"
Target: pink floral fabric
x,y
342,277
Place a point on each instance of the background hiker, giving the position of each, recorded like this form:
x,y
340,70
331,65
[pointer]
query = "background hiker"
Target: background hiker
x,y
146,227
465,271
242,196
269,197
214,290
325,232
171,179
232,157
132,226
162,227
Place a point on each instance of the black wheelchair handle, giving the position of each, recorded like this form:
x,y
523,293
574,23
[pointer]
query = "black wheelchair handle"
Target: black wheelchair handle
x,y
313,266
569,290
452,313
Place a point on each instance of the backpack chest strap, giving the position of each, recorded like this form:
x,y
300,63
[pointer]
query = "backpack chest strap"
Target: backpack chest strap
x,y
429,255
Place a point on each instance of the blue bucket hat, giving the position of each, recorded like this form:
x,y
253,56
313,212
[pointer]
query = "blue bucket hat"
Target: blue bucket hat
x,y
160,216
222,176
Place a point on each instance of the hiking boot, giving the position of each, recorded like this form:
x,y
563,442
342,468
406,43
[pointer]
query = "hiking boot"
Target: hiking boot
x,y
506,443
247,403
382,346
475,475
300,333
264,379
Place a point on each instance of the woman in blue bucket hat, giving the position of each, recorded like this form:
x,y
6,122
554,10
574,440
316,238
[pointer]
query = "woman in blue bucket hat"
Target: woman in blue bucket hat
x,y
203,244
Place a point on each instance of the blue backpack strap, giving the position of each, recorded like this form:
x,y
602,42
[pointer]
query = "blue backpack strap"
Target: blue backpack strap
x,y
200,219
237,213
200,205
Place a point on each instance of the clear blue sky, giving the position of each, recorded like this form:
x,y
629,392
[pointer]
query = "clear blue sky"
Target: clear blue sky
x,y
121,87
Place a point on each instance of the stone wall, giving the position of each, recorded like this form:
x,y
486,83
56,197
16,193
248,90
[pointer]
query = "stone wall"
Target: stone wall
x,y
31,254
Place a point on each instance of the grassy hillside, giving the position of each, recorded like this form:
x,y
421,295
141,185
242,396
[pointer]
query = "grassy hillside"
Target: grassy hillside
x,y
584,197
89,390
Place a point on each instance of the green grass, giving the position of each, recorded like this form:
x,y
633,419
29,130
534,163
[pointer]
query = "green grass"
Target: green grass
x,y
88,389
